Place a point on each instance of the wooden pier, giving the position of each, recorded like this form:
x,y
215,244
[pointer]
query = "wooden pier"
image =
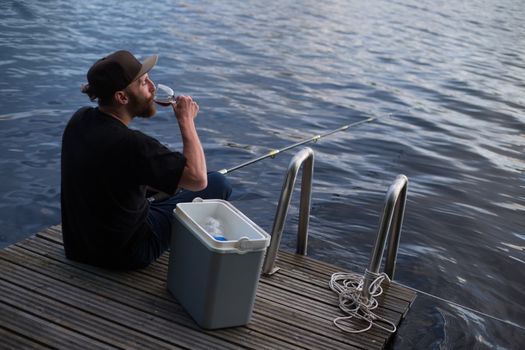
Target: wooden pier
x,y
47,301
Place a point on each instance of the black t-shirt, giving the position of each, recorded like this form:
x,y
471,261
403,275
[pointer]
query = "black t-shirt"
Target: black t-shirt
x,y
105,170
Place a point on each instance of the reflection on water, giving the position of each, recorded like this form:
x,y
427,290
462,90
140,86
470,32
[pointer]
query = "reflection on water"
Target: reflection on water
x,y
267,74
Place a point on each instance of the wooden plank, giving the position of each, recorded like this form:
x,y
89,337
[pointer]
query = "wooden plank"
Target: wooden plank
x,y
320,269
318,310
32,243
105,300
46,333
129,278
297,335
318,326
316,268
53,234
322,294
294,308
329,315
395,297
388,301
134,280
308,266
77,319
378,334
287,303
14,341
327,324
163,305
320,283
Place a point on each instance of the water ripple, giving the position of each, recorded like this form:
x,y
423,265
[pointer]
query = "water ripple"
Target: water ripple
x,y
266,74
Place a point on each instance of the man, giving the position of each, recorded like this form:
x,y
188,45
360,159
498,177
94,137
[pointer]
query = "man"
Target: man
x,y
107,167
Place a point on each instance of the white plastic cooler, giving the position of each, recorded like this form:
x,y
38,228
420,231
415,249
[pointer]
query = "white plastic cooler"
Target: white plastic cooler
x,y
215,275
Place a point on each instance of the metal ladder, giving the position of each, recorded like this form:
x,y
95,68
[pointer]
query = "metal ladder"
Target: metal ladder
x,y
390,224
304,156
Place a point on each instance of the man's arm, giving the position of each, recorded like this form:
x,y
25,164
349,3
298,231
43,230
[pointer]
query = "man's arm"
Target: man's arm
x,y
194,177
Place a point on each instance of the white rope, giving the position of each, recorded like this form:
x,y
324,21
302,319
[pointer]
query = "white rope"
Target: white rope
x,y
349,287
508,322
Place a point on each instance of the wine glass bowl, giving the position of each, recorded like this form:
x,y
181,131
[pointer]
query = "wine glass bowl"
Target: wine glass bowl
x,y
164,95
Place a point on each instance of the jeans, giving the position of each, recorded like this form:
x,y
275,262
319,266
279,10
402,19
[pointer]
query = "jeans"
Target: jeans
x,y
160,217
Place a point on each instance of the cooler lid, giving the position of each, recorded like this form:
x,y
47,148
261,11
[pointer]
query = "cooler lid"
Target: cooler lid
x,y
222,227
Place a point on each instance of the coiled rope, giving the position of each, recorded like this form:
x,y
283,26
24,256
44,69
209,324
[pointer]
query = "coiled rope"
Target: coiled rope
x,y
349,287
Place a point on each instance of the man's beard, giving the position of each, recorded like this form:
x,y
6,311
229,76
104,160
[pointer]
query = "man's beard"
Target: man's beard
x,y
141,106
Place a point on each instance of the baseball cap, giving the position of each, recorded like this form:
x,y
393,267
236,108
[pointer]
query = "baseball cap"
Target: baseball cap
x,y
114,72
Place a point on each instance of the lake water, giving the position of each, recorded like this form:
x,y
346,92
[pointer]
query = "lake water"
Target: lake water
x,y
450,75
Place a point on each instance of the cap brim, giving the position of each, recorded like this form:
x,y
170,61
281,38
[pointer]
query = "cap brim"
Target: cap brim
x,y
148,63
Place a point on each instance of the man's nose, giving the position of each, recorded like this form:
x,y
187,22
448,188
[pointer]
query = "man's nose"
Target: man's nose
x,y
152,87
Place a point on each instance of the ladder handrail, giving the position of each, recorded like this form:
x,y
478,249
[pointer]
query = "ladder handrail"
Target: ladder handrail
x,y
306,157
391,223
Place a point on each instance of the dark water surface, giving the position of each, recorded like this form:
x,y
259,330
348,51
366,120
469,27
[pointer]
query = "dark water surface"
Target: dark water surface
x,y
266,74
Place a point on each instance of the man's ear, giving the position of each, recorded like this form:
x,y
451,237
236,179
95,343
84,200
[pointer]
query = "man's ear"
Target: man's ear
x,y
121,97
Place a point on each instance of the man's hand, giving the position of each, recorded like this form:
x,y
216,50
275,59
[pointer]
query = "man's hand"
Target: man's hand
x,y
185,108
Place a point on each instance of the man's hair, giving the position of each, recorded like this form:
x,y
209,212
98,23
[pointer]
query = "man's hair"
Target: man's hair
x,y
105,100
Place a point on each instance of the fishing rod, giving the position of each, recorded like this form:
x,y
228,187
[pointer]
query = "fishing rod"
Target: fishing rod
x,y
315,138
165,96
161,196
